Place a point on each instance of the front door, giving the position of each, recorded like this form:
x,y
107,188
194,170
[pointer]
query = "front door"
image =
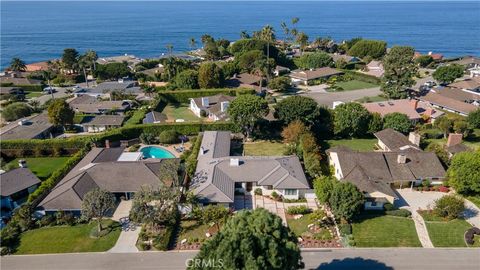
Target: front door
x,y
249,186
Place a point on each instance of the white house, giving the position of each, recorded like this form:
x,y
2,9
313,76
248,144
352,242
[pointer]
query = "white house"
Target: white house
x,y
215,107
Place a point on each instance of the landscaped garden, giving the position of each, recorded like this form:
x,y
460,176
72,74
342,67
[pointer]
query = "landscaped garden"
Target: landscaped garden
x,y
264,148
445,233
179,111
67,239
379,230
42,167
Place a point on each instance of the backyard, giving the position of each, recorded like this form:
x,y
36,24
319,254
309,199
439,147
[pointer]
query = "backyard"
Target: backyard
x,y
42,167
355,85
375,230
67,239
264,148
179,111
354,144
136,118
445,233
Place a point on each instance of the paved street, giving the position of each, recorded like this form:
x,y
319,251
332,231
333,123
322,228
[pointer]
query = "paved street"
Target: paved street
x,y
338,259
328,98
60,93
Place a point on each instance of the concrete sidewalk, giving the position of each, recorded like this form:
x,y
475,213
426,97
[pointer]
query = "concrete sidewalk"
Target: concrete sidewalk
x,y
127,241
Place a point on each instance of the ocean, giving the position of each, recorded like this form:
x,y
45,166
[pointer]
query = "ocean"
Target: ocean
x,y
37,31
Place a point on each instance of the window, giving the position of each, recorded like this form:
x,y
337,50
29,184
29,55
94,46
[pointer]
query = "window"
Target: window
x,y
268,187
290,192
238,185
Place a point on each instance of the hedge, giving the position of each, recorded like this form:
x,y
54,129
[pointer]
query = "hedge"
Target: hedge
x,y
26,87
399,213
362,77
39,148
191,161
298,210
183,96
46,186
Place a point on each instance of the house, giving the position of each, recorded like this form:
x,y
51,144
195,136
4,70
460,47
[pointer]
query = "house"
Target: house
x,y
32,127
15,186
92,105
106,168
414,109
154,117
102,122
401,163
131,60
392,140
451,99
304,76
215,107
435,56
454,144
11,91
374,68
279,70
38,66
104,89
246,80
469,62
471,84
219,176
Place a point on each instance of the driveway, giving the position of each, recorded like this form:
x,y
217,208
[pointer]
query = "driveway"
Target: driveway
x,y
327,98
60,93
127,240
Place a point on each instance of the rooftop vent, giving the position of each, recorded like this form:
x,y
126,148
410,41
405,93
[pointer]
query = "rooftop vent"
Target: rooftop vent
x,y
401,159
22,122
234,162
202,151
381,104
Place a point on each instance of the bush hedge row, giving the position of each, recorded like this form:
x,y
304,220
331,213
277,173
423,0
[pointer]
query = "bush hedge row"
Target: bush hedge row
x,y
25,87
183,96
362,77
37,147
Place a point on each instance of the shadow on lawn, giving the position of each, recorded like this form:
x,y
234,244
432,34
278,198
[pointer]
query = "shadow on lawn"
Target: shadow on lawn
x,y
356,263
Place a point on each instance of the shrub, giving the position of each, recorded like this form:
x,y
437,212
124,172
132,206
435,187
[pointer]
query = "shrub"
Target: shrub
x,y
275,195
317,215
298,210
16,111
64,218
449,206
399,213
47,220
345,229
203,113
388,207
162,240
144,246
148,138
168,136
443,189
10,236
258,191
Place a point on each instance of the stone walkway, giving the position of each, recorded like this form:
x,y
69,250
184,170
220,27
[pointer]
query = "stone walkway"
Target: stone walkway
x,y
127,241
279,208
472,213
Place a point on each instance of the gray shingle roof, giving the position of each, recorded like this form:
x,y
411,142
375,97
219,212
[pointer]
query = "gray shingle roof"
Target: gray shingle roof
x,y
33,128
89,104
105,120
395,140
214,105
17,180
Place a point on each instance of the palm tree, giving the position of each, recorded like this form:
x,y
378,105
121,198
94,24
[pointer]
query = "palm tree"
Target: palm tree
x,y
286,31
244,34
169,48
17,65
302,40
47,74
84,62
92,57
193,43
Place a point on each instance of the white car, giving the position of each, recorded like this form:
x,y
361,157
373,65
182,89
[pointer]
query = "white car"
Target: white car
x,y
49,90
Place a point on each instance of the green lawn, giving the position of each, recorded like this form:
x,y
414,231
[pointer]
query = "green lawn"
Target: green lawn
x,y
136,118
384,231
355,144
371,99
264,148
446,233
355,85
42,167
299,226
474,199
66,239
192,230
33,94
179,111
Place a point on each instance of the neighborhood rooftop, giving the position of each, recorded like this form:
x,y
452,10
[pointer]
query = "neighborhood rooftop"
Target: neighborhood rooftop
x,y
32,127
16,180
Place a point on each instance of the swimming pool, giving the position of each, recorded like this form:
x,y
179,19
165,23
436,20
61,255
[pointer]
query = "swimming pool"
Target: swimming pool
x,y
155,152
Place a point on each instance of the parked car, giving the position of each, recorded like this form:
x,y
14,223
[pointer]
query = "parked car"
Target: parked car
x,y
49,90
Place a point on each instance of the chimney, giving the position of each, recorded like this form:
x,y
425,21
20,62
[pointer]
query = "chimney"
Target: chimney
x,y
205,102
414,138
107,144
454,139
401,159
22,122
414,103
234,162
224,106
202,151
22,163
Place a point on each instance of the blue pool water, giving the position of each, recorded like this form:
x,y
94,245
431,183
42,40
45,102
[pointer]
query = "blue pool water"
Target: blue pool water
x,y
155,152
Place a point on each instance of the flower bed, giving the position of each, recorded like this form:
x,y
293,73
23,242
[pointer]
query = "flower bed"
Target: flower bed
x,y
314,230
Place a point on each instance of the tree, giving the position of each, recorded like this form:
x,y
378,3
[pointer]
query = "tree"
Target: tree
x,y
246,110
60,113
365,47
112,71
193,43
211,50
244,34
397,121
449,206
96,204
35,104
375,124
345,200
399,71
91,56
293,133
448,74
251,240
302,40
16,111
246,61
173,66
17,65
281,84
210,75
323,187
70,58
473,119
155,207
169,47
351,120
187,79
461,126
424,60
300,108
444,124
440,151
314,60
463,173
